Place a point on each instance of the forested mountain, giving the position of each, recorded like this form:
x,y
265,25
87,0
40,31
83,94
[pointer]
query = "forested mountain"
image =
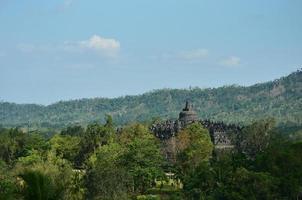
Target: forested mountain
x,y
281,99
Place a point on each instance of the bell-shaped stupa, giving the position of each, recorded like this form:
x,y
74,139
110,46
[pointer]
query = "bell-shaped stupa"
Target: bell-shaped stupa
x,y
187,115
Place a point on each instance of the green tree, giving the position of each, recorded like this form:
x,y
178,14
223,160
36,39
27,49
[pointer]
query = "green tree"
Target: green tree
x,y
76,189
14,144
106,178
200,183
38,186
194,146
58,170
142,158
76,130
130,132
252,185
8,188
283,160
7,148
256,137
65,146
95,136
109,122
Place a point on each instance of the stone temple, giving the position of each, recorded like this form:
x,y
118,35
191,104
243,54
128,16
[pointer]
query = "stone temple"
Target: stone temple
x,y
187,115
167,130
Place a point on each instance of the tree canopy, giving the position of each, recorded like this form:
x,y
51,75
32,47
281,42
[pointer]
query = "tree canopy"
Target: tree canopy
x,y
98,162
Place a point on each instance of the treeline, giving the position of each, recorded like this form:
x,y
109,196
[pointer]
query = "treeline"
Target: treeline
x,y
99,163
232,104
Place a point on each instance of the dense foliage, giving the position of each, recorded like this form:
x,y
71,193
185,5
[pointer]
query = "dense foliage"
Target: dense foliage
x,y
280,99
100,163
88,157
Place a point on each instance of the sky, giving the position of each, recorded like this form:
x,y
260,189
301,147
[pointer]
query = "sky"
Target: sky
x,y
70,49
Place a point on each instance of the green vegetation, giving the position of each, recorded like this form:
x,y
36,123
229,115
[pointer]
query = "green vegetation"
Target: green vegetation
x,y
194,146
280,99
70,152
99,163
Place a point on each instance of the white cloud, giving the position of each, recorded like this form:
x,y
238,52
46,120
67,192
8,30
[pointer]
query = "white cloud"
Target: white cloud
x,y
106,47
231,61
195,54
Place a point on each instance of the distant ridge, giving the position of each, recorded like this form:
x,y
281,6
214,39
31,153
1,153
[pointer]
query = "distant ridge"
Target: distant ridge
x,y
281,99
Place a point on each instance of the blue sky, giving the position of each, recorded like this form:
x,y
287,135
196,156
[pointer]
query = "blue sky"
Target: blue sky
x,y
69,49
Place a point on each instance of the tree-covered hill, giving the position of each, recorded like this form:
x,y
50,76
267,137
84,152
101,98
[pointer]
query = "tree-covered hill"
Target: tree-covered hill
x,y
281,99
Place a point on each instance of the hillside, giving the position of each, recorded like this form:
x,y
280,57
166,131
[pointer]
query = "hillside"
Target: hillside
x,y
281,99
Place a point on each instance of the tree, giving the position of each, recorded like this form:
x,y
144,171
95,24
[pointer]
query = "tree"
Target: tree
x,y
247,184
76,130
76,189
38,186
8,188
109,122
65,146
56,169
283,160
200,183
106,178
255,138
194,146
7,148
95,136
14,144
130,132
142,158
